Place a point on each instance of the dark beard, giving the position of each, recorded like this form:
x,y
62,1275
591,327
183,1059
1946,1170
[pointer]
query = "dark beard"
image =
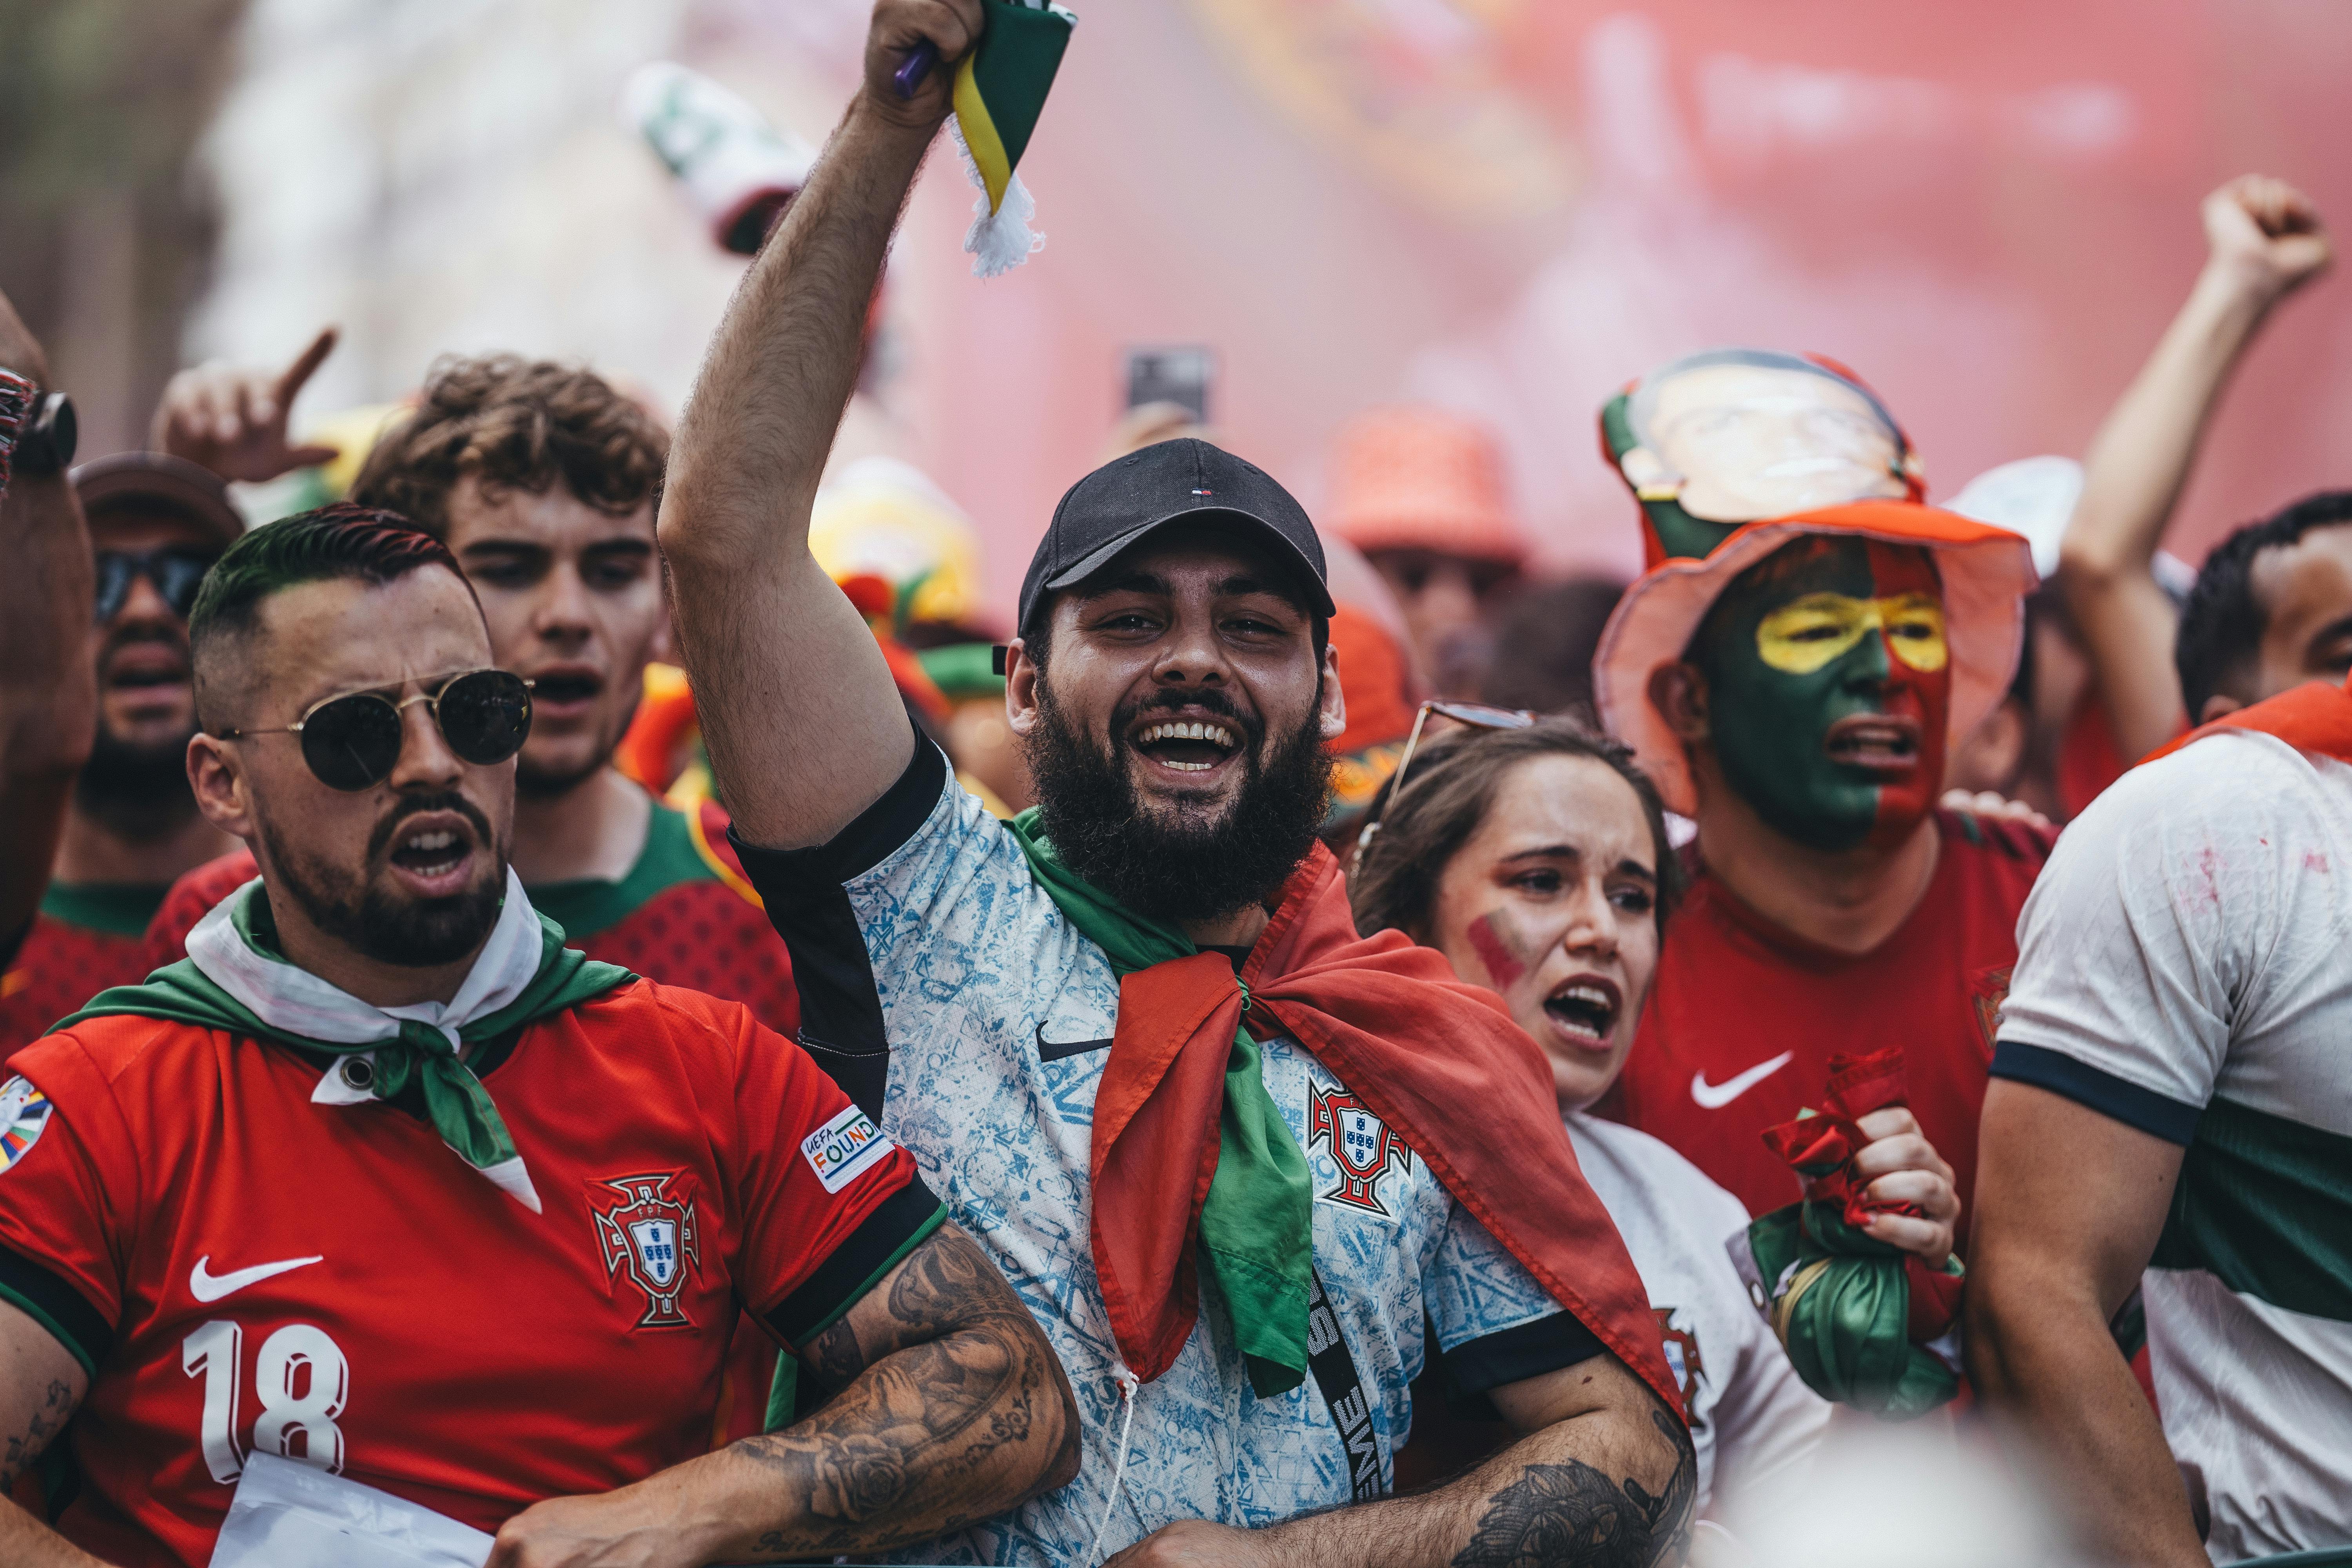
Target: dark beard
x,y
1195,868
136,793
411,933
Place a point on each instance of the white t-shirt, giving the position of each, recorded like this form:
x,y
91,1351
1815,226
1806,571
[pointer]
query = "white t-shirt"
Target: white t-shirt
x,y
925,953
1751,1416
2185,966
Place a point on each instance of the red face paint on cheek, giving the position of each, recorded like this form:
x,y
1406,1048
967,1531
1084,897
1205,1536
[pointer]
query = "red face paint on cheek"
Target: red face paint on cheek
x,y
1924,695
1503,965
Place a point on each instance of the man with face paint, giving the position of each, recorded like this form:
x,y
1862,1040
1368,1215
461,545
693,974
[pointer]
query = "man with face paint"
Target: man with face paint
x,y
1795,685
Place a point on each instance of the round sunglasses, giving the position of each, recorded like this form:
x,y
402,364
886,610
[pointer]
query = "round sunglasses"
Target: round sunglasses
x,y
352,742
176,570
1477,715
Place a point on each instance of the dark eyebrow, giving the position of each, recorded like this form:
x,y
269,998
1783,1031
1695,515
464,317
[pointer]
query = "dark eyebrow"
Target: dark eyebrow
x,y
626,546
504,547
2339,628
1570,852
1125,582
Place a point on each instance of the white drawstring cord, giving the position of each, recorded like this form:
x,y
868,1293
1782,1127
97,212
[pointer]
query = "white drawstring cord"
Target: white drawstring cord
x,y
1127,1385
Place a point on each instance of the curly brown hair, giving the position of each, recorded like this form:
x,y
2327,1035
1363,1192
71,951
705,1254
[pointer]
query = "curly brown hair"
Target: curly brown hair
x,y
512,423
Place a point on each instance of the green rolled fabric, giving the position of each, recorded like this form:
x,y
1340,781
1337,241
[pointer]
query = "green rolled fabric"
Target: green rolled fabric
x,y
1841,1305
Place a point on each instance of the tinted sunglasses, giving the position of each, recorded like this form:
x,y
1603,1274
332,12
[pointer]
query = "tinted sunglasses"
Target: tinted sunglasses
x,y
353,743
1478,715
176,570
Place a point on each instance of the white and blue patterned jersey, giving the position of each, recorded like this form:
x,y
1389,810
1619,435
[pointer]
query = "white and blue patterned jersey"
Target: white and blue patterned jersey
x,y
940,982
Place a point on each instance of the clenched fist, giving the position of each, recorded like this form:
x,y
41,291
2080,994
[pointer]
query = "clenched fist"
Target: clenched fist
x,y
2267,236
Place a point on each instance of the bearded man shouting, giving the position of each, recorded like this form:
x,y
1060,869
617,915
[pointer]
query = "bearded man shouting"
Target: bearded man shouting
x,y
383,1180
1227,1151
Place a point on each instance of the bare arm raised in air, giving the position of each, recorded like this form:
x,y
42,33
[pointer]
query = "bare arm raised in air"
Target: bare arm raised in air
x,y
49,685
805,726
2266,241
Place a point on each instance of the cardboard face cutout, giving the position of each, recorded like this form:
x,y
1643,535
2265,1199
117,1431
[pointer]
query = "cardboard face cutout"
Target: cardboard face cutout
x,y
1737,436
1829,689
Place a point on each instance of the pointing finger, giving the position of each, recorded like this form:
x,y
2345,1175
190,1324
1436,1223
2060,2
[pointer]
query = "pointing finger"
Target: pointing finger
x,y
306,363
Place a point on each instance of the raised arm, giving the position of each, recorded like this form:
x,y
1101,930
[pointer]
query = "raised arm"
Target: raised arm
x,y
40,1383
2069,1206
2265,240
950,1407
805,727
48,686
1604,1478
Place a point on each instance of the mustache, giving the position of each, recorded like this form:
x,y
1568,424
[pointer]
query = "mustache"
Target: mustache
x,y
128,637
417,805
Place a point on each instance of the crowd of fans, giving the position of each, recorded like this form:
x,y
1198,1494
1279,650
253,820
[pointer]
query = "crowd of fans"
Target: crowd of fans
x,y
1298,1041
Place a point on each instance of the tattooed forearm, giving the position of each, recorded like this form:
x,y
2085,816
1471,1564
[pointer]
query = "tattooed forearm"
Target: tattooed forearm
x,y
1573,1515
41,1425
951,1407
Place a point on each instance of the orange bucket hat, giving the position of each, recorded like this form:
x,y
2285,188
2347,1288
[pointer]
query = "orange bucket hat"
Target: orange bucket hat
x,y
1986,571
1413,478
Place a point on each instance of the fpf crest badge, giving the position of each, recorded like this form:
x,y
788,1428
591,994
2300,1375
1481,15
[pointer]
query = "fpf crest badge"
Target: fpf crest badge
x,y
655,1239
1359,1143
1683,1360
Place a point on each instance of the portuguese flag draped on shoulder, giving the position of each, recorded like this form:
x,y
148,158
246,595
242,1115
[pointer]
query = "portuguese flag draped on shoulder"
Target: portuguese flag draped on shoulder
x,y
999,89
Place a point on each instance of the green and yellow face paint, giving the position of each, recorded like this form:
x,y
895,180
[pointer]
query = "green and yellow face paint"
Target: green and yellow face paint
x,y
1829,683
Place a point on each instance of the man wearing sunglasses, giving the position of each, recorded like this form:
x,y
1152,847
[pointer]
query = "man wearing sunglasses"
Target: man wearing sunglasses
x,y
156,523
1229,1153
384,1179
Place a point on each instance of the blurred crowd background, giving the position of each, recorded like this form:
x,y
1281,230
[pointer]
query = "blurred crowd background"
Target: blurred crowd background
x,y
1508,207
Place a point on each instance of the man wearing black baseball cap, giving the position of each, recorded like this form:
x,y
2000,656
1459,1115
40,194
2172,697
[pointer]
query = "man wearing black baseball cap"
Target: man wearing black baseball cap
x,y
156,524
1229,1153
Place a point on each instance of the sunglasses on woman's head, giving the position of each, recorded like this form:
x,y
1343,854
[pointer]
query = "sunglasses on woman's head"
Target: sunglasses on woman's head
x,y
176,570
352,742
1477,715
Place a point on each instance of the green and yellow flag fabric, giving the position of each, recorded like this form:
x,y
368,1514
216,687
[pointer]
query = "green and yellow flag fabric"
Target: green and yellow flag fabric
x,y
999,89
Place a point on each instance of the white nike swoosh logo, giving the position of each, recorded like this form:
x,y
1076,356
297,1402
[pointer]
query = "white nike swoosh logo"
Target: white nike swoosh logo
x,y
1715,1096
206,1287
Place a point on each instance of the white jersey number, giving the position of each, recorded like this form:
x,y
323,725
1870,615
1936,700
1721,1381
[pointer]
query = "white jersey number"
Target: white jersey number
x,y
297,1357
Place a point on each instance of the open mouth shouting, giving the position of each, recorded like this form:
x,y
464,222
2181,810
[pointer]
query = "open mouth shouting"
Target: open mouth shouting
x,y
1583,1010
147,674
433,853
1189,746
1877,742
562,691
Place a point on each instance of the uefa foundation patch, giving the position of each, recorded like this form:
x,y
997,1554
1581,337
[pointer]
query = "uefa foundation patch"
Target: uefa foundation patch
x,y
23,1113
844,1148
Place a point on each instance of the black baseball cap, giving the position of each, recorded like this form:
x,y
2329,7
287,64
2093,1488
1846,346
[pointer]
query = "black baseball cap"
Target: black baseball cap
x,y
1184,480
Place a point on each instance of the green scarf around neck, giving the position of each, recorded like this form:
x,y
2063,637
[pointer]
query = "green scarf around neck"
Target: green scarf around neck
x,y
1258,1222
455,1100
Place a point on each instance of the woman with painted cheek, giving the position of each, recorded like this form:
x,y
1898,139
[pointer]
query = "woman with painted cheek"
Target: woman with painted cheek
x,y
1537,860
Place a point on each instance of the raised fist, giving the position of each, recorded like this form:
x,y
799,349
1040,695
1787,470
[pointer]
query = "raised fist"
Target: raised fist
x,y
952,26
232,420
2266,234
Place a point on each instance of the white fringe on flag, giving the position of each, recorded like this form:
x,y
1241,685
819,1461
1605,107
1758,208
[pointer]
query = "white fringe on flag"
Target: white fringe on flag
x,y
1001,240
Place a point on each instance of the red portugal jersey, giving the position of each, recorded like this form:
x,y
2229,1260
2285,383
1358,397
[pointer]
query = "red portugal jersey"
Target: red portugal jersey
x,y
1739,1029
685,916
86,939
248,1271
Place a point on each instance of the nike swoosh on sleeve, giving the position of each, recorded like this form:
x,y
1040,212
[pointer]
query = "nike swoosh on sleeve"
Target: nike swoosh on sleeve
x,y
208,1286
1715,1096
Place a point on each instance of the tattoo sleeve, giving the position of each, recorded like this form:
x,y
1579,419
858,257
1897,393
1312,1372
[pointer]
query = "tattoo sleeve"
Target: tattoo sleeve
x,y
1572,1513
1613,1487
949,1406
42,1424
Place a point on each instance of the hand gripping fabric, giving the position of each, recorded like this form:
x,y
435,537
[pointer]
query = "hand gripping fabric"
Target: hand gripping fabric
x,y
1441,1062
1847,1306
